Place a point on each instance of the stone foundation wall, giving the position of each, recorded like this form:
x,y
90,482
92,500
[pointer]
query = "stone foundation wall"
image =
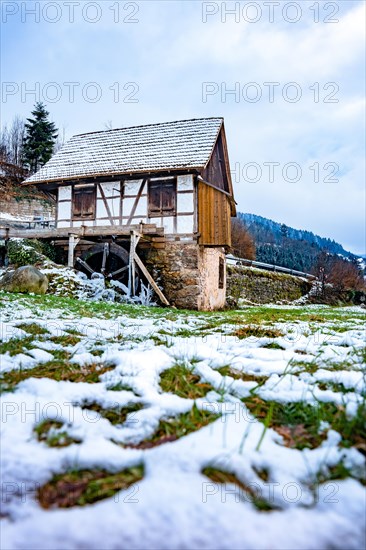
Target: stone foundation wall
x,y
188,274
263,287
27,208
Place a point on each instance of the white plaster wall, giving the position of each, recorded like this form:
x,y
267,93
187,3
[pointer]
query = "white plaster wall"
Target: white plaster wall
x,y
102,211
168,224
64,193
184,202
64,211
132,187
110,188
184,224
212,297
141,209
185,183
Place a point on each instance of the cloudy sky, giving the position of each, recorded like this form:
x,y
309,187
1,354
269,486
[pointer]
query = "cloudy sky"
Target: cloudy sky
x,y
288,77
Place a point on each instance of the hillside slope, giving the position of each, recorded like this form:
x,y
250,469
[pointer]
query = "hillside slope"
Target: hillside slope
x,y
293,248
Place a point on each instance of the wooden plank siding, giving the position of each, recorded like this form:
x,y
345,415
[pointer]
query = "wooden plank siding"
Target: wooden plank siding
x,y
214,216
215,171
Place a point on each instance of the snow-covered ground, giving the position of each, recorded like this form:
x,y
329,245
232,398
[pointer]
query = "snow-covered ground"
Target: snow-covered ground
x,y
175,505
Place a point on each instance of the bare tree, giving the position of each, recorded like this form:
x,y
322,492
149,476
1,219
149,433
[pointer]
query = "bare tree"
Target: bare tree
x,y
60,140
345,275
11,142
17,132
341,273
242,242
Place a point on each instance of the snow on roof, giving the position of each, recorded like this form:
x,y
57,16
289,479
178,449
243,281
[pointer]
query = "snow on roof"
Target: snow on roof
x,y
184,144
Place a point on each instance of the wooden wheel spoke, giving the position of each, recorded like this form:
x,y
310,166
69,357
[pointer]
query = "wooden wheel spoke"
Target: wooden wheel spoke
x,y
85,265
105,256
118,271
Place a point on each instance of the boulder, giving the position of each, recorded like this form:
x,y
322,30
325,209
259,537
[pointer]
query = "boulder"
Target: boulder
x,y
24,279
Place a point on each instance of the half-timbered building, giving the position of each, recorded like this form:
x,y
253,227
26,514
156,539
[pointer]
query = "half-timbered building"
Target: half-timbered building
x,y
153,201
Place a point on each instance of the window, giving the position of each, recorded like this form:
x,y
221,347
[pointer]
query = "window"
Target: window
x,y
83,202
162,197
221,272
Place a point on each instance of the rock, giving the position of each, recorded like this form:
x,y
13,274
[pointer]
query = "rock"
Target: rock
x,y
24,279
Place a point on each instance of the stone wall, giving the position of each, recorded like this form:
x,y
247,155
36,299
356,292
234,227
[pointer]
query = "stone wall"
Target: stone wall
x,y
188,274
26,208
263,287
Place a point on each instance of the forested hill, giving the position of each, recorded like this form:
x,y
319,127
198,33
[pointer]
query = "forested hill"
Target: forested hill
x,y
294,248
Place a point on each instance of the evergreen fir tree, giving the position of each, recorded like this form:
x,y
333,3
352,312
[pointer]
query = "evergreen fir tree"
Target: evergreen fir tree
x,y
39,139
284,230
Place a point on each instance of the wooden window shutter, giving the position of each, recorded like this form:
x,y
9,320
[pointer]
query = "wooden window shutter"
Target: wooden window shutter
x,y
162,198
84,203
155,198
168,197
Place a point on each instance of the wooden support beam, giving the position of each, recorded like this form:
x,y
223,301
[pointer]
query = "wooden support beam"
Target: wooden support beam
x,y
108,210
61,242
135,237
85,231
151,280
73,241
133,209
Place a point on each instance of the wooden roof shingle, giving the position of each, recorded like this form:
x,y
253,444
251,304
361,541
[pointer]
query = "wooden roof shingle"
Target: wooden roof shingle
x,y
179,145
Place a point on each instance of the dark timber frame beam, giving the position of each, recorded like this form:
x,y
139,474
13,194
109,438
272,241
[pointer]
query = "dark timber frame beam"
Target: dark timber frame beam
x,y
83,231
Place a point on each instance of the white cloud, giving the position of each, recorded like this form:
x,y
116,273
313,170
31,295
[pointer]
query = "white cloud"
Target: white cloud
x,y
170,52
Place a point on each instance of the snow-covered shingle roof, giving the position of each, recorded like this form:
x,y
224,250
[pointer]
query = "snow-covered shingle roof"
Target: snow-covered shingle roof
x,y
184,144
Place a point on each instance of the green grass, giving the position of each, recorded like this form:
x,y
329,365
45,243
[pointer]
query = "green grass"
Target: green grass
x,y
273,345
115,415
207,322
120,386
249,331
32,328
338,387
82,308
57,369
339,471
66,340
17,345
247,492
299,423
183,382
181,379
97,352
227,370
79,488
296,366
171,429
49,431
249,315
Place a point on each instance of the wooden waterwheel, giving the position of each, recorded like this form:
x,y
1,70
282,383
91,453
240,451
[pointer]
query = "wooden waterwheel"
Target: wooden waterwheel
x,y
110,260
